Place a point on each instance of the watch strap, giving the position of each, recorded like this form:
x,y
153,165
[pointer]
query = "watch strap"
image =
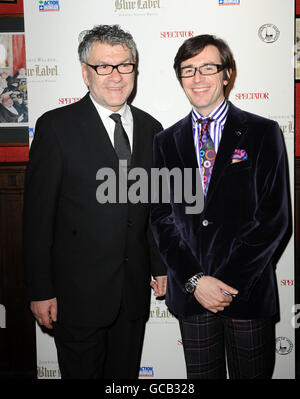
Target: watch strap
x,y
194,280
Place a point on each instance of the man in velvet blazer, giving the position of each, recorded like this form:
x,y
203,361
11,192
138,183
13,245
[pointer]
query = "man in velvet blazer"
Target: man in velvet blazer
x,y
89,264
221,281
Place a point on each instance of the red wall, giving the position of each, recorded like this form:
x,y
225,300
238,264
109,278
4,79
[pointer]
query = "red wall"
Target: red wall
x,y
14,8
14,154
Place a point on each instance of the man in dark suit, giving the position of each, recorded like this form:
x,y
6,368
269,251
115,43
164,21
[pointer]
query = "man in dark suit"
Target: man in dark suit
x,y
89,264
221,282
9,112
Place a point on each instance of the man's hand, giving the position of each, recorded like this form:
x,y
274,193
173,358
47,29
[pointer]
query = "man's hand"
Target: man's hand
x,y
208,293
45,312
159,284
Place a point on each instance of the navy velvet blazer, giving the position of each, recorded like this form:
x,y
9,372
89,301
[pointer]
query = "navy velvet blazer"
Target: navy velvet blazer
x,y
244,219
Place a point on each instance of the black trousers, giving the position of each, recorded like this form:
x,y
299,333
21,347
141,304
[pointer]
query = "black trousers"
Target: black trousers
x,y
248,345
112,352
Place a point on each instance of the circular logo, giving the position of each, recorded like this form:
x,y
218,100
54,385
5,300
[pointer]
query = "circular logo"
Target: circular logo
x,y
268,33
284,345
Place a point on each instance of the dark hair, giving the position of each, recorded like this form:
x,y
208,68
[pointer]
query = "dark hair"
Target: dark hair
x,y
110,34
194,45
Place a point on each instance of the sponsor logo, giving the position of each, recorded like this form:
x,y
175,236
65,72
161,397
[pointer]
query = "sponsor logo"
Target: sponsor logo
x,y
286,282
48,369
136,5
252,96
229,2
45,5
69,100
175,34
268,33
146,372
2,316
161,314
284,346
287,128
286,124
44,372
31,135
42,71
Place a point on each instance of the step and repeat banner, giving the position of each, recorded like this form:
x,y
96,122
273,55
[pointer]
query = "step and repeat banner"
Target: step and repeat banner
x,y
261,36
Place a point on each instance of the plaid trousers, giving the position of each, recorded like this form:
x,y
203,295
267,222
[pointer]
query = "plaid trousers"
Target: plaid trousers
x,y
209,339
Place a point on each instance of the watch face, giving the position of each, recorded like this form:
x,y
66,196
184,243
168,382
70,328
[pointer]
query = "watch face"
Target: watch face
x,y
189,287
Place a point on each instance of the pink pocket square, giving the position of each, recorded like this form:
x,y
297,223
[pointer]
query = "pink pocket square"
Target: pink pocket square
x,y
239,155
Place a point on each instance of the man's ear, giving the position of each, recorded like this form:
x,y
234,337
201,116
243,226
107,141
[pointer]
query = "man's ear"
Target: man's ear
x,y
84,74
228,73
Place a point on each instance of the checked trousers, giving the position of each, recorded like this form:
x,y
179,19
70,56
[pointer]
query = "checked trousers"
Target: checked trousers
x,y
211,339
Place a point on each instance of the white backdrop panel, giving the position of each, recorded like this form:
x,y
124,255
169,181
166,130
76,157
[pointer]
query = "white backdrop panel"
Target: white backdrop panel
x,y
263,85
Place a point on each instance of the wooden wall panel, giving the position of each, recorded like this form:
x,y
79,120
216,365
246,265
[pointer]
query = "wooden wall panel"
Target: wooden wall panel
x,y
17,339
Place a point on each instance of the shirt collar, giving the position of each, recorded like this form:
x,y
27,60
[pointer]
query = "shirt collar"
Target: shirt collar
x,y
105,113
219,114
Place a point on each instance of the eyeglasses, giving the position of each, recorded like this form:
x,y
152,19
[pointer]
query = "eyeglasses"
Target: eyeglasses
x,y
108,69
206,69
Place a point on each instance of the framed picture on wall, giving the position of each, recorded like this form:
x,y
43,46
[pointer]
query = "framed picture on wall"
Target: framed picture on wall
x,y
297,48
12,134
4,51
13,80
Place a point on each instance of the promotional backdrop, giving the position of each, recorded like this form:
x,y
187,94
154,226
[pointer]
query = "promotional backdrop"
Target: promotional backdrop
x,y
261,36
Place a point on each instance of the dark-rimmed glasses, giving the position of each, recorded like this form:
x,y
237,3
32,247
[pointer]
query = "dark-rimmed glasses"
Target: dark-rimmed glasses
x,y
106,69
206,69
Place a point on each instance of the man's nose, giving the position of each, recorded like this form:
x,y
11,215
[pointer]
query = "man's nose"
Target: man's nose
x,y
116,75
198,76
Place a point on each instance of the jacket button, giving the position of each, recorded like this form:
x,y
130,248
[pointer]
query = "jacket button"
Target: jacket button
x,y
205,223
129,223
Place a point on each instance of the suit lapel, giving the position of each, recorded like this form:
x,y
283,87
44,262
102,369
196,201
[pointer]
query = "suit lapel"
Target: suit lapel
x,y
95,135
137,140
184,141
234,132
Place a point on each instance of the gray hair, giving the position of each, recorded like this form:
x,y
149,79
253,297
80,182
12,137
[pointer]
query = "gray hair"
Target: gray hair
x,y
110,34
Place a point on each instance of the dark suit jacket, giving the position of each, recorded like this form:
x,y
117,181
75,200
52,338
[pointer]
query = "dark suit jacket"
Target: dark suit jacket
x,y
244,218
90,256
7,116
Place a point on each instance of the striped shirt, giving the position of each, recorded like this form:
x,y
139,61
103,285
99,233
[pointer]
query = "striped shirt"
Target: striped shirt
x,y
219,116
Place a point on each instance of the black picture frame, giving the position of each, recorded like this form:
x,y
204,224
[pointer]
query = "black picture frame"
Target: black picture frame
x,y
13,135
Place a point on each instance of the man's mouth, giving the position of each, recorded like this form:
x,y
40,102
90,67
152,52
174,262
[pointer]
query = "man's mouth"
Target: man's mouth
x,y
200,89
114,88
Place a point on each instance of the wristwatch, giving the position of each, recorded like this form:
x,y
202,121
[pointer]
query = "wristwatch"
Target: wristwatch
x,y
192,282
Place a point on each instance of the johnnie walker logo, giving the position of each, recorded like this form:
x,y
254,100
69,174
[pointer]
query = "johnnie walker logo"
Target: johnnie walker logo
x,y
138,5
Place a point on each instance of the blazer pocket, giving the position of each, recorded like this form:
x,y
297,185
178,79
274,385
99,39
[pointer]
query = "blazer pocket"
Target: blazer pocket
x,y
236,167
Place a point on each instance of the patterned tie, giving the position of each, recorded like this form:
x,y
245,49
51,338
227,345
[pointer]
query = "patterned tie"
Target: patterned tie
x,y
121,141
207,152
